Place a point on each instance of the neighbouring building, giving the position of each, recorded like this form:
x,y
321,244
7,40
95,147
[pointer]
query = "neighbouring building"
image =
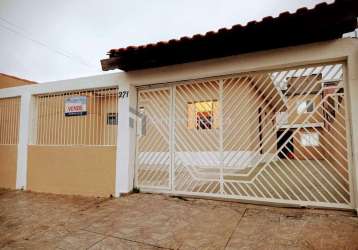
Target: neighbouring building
x,y
8,81
261,113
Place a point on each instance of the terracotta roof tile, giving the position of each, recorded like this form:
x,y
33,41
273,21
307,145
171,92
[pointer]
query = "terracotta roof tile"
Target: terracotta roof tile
x,y
323,22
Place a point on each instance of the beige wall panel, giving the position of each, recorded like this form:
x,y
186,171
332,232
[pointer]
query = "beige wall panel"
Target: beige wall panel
x,y
8,165
336,142
156,105
241,117
82,170
271,59
269,136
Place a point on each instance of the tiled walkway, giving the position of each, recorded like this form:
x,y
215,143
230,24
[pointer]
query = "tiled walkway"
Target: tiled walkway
x,y
145,221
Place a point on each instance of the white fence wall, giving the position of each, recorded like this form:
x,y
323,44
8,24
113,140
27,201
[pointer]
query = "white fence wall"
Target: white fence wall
x,y
27,130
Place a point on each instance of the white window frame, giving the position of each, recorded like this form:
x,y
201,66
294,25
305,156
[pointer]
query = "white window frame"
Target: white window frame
x,y
310,139
282,118
196,115
308,103
112,118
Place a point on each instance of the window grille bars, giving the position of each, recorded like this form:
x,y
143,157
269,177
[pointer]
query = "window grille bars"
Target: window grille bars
x,y
9,120
86,125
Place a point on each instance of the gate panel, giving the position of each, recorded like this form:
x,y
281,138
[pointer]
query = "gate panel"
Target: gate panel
x,y
301,158
153,154
274,136
197,138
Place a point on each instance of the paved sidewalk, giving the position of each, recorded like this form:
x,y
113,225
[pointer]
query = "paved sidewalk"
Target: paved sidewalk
x,y
146,221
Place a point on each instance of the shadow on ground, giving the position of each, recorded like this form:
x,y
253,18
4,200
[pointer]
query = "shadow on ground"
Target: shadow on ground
x,y
147,221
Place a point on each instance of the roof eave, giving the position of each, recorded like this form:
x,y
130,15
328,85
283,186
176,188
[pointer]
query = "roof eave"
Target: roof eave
x,y
324,22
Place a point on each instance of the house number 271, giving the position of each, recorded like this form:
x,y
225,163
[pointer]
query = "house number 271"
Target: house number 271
x,y
123,94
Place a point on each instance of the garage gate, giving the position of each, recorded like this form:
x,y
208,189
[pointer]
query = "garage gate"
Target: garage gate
x,y
276,136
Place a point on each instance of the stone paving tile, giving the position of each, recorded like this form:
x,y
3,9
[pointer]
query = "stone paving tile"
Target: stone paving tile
x,y
119,244
331,232
79,240
147,221
171,223
29,219
292,229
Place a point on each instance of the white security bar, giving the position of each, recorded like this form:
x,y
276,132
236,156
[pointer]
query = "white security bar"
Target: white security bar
x,y
9,121
87,117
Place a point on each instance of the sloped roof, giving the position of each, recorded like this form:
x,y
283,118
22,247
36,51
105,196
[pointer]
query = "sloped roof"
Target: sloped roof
x,y
16,78
321,23
7,81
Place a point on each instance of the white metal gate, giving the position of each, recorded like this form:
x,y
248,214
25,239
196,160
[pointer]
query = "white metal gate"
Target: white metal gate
x,y
275,136
153,146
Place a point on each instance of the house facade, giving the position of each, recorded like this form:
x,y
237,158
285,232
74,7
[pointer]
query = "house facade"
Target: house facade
x,y
268,125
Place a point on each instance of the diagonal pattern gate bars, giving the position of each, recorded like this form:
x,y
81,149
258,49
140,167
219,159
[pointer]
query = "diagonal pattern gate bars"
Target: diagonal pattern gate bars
x,y
275,136
153,148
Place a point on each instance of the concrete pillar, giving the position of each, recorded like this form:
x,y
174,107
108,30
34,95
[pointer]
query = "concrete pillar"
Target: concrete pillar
x,y
352,94
125,157
24,131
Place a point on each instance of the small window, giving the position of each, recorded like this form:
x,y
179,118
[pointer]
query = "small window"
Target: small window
x,y
310,139
141,122
281,118
112,118
305,107
141,111
203,115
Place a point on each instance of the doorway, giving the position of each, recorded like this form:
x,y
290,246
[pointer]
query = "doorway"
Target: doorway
x,y
285,144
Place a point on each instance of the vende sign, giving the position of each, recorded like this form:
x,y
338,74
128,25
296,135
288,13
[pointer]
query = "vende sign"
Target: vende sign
x,y
75,106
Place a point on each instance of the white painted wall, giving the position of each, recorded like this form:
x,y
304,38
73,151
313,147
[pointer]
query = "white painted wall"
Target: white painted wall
x,y
238,160
352,112
25,111
125,141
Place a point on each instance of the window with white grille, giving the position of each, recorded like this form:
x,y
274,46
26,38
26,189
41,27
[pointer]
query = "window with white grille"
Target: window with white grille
x,y
9,120
112,119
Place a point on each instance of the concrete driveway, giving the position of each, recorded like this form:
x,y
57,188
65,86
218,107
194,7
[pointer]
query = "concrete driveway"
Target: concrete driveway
x,y
147,221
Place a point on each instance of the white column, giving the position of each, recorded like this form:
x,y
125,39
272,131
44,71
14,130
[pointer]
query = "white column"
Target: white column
x,y
125,157
352,94
24,130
